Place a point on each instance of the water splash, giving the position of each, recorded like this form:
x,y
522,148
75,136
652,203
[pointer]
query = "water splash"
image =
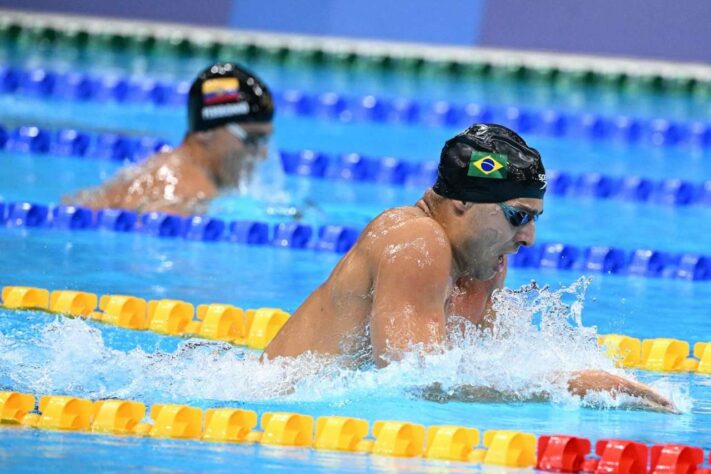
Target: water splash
x,y
537,340
265,195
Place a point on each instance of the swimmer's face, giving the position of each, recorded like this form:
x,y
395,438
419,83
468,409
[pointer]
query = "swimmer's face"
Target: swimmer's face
x,y
249,139
487,236
241,151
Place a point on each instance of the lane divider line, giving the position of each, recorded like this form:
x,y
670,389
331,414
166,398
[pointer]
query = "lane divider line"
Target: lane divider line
x,y
354,167
551,121
551,453
335,238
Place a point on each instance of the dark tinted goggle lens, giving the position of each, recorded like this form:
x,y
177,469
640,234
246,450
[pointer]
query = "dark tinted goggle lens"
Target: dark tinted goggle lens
x,y
256,140
517,217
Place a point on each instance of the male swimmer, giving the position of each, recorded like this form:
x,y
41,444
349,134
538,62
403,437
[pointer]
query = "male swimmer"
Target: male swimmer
x,y
414,267
230,114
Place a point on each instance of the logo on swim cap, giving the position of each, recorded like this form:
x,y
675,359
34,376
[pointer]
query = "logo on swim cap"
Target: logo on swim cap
x,y
484,164
220,90
542,179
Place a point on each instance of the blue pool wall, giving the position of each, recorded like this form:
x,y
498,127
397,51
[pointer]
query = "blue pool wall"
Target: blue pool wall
x,y
443,22
658,29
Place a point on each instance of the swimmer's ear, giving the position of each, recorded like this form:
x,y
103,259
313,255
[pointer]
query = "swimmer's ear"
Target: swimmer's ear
x,y
204,137
461,206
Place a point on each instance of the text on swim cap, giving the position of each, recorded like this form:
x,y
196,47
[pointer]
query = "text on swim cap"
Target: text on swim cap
x,y
220,111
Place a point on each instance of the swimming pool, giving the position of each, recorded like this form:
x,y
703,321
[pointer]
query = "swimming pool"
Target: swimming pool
x,y
54,355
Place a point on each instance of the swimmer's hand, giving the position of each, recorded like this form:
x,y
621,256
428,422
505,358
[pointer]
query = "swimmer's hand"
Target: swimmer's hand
x,y
600,381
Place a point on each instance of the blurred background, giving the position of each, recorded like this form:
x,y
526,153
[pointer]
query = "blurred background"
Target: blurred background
x,y
659,29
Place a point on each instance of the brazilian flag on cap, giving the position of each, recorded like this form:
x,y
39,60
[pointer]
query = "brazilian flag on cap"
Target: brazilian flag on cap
x,y
485,164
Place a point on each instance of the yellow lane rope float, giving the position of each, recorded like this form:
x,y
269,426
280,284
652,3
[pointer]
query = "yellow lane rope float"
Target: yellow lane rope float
x,y
255,328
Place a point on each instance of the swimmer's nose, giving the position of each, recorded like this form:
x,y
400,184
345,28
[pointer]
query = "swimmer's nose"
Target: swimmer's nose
x,y
526,234
263,152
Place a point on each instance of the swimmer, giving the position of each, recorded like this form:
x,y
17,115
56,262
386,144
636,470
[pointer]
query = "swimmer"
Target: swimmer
x,y
229,126
414,268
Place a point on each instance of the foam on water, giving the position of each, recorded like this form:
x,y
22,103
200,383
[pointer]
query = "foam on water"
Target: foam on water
x,y
266,195
537,341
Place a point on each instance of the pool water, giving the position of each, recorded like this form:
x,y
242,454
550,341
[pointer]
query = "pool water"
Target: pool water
x,y
45,354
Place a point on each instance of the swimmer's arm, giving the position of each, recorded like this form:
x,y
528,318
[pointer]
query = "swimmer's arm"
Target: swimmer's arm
x,y
580,383
113,193
586,381
98,197
410,287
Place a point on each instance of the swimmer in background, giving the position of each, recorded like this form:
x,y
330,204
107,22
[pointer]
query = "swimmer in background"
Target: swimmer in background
x,y
413,268
230,114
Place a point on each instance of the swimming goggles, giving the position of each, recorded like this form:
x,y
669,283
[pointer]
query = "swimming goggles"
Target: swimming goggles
x,y
256,140
518,217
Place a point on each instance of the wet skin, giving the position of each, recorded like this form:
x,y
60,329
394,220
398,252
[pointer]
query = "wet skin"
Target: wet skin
x,y
181,181
406,273
410,270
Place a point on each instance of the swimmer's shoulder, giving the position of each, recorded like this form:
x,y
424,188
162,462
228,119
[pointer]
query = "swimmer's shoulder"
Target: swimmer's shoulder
x,y
404,225
407,217
189,178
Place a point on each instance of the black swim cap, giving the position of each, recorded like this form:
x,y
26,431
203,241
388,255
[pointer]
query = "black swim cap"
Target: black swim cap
x,y
226,93
489,163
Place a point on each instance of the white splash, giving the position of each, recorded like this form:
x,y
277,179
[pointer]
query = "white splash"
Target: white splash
x,y
536,342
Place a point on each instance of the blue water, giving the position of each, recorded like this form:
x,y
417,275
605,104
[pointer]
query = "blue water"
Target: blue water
x,y
416,143
226,272
79,452
45,354
385,84
580,221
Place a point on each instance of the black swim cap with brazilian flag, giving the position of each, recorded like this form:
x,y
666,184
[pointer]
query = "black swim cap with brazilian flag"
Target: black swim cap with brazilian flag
x,y
227,93
489,163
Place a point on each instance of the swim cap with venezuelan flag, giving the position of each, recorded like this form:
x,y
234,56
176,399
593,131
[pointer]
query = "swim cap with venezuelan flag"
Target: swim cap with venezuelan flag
x,y
489,163
227,93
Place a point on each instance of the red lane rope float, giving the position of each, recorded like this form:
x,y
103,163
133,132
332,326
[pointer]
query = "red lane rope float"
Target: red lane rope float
x,y
552,453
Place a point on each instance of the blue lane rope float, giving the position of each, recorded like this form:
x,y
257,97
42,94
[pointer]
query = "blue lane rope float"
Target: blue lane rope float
x,y
70,142
352,166
294,235
336,238
333,106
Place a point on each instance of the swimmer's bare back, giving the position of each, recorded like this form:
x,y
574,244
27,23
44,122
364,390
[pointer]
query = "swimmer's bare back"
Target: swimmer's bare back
x,y
392,289
165,182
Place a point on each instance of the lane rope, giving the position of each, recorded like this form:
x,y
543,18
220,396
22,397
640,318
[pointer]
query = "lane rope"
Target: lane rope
x,y
255,328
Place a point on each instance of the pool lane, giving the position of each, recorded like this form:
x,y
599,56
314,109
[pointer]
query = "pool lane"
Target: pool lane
x,y
115,263
573,220
114,362
385,84
413,143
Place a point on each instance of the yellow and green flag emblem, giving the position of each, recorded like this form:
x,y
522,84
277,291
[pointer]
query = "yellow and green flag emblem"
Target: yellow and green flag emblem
x,y
484,164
